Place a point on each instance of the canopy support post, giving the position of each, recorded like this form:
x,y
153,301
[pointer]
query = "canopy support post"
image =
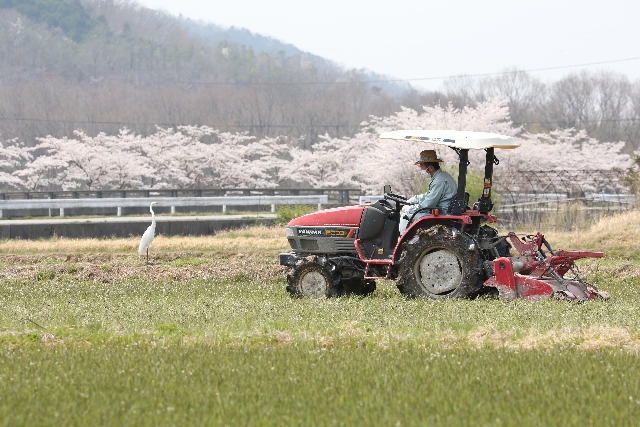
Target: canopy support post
x,y
484,202
459,204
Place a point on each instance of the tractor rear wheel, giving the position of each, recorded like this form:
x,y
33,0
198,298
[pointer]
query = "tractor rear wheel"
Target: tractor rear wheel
x,y
314,277
438,262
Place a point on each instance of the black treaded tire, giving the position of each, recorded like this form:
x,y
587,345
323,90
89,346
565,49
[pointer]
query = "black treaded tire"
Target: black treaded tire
x,y
438,262
314,277
360,287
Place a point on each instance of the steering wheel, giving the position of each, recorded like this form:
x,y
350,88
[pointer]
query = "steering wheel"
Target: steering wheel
x,y
396,198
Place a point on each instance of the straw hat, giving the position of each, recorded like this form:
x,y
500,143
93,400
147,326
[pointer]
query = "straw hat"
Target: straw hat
x,y
428,156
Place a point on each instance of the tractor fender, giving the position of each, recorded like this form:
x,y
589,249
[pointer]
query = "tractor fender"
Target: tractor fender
x,y
428,221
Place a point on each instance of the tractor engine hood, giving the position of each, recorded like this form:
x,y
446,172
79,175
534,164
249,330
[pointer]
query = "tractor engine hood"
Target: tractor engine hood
x,y
348,216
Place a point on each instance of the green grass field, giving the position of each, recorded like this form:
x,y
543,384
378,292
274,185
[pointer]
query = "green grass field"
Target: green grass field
x,y
208,336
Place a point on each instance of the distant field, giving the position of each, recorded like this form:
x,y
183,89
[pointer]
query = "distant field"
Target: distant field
x,y
208,335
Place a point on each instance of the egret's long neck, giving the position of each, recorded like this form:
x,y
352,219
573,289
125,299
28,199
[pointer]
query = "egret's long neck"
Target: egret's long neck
x,y
153,215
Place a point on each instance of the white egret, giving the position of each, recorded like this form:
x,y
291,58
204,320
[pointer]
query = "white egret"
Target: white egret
x,y
148,235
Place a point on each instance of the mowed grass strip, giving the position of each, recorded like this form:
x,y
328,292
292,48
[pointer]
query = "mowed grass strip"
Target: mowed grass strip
x,y
250,307
208,335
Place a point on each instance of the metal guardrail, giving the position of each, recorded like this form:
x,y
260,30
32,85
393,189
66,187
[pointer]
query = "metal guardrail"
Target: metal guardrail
x,y
119,203
520,200
339,194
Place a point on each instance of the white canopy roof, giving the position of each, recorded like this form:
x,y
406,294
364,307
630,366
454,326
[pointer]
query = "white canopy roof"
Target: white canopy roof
x,y
464,140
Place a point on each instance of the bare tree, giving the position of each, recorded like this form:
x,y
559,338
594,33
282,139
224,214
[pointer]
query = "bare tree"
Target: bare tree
x,y
614,105
526,94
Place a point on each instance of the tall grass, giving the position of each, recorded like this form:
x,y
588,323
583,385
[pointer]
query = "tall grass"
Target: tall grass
x,y
120,385
571,216
249,239
286,213
617,235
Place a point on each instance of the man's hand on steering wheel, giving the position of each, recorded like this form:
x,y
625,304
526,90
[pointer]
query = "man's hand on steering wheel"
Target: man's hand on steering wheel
x,y
397,198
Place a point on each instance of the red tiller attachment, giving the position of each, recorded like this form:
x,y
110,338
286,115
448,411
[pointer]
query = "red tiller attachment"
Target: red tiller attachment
x,y
534,274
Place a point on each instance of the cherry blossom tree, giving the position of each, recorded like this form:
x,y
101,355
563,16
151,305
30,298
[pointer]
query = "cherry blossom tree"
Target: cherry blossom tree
x,y
100,162
276,165
177,157
42,172
368,162
12,154
198,156
87,159
236,160
127,166
565,149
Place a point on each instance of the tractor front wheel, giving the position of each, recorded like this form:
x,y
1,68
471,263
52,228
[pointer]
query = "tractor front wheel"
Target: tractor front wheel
x,y
438,262
314,277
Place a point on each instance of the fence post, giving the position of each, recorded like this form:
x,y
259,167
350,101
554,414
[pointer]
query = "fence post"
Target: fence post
x,y
61,212
273,208
119,211
173,209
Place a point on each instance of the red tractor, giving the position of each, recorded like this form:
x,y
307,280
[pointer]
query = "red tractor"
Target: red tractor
x,y
456,254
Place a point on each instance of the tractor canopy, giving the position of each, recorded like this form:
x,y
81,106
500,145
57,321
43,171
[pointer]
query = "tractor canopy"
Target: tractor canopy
x,y
462,140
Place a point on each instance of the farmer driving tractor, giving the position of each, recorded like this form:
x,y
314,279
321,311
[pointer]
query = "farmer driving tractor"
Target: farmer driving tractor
x,y
456,254
442,190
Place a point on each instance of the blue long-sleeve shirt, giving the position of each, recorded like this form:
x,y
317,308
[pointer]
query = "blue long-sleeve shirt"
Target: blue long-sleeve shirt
x,y
442,190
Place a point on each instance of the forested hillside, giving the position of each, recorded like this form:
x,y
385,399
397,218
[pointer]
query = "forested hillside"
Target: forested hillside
x,y
102,65
68,16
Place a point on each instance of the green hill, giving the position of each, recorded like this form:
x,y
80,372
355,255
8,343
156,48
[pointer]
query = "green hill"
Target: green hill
x,y
67,15
102,65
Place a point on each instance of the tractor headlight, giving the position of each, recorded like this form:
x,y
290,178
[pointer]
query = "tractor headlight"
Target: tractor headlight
x,y
289,232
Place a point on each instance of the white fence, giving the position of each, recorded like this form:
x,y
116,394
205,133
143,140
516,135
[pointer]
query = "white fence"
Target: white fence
x,y
523,199
120,203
